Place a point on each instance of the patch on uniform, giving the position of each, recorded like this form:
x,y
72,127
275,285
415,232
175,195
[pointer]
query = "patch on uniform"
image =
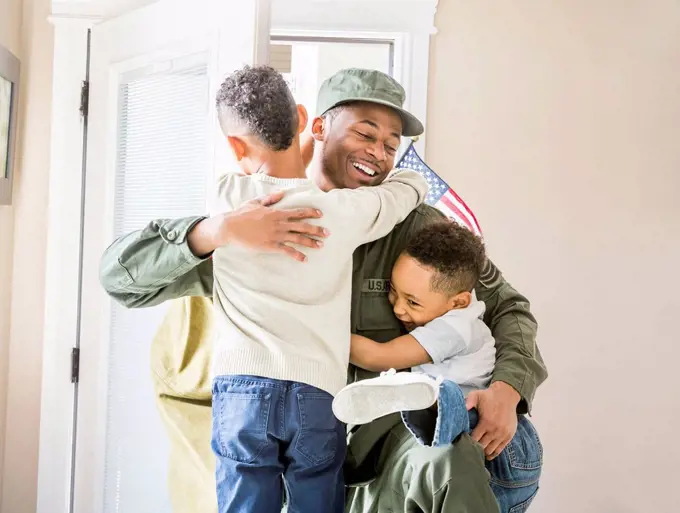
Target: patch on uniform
x,y
375,285
490,275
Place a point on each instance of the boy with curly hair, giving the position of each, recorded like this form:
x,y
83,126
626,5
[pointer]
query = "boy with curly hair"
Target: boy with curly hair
x,y
449,349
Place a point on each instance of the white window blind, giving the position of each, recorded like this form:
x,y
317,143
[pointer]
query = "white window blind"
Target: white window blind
x,y
161,171
280,57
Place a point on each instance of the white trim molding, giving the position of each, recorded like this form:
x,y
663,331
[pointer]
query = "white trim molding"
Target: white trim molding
x,y
61,276
95,9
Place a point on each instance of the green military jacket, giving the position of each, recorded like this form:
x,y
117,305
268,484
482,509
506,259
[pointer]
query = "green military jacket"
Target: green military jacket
x,y
155,264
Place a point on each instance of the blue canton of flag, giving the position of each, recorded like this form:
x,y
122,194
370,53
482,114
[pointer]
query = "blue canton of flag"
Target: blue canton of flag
x,y
441,196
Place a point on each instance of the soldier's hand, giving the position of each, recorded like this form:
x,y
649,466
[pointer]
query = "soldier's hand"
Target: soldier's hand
x,y
497,409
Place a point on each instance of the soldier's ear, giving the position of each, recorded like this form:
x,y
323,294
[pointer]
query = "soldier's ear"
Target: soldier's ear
x,y
319,128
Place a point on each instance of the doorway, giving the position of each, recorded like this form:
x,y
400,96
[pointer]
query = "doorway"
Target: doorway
x,y
153,151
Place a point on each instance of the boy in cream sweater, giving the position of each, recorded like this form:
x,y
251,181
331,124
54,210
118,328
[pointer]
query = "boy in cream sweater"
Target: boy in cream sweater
x,y
283,326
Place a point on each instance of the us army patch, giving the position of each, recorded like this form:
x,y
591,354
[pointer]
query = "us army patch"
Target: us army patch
x,y
375,285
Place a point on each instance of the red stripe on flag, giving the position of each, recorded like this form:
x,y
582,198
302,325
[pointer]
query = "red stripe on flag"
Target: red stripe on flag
x,y
467,209
456,211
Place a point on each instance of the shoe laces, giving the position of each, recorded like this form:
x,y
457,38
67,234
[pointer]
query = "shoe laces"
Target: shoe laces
x,y
389,372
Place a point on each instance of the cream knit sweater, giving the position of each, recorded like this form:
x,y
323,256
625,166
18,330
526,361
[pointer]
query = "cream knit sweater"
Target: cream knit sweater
x,y
288,320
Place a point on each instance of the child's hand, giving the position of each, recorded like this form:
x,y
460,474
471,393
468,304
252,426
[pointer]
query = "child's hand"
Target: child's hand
x,y
258,226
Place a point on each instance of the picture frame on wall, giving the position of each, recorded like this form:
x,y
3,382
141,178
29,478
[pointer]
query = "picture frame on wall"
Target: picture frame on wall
x,y
9,103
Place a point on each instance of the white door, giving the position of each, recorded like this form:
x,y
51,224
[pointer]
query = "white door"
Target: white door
x,y
151,152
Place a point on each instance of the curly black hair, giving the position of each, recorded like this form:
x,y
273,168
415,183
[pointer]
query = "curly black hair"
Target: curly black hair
x,y
259,100
455,253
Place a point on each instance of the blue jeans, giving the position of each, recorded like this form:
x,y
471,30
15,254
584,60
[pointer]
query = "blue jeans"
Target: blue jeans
x,y
516,470
270,434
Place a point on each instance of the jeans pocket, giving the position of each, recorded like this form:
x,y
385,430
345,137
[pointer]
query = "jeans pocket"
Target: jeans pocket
x,y
317,439
520,463
523,506
240,424
525,451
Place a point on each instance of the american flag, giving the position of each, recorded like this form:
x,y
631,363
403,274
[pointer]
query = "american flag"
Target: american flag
x,y
441,196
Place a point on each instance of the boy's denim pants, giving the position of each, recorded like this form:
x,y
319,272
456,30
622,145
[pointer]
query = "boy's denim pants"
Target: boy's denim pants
x,y
514,473
268,434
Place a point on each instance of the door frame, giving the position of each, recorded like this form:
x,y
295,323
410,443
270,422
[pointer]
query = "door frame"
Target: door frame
x,y
409,28
62,262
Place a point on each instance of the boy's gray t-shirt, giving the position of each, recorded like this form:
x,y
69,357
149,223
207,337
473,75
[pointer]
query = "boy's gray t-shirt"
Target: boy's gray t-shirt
x,y
461,347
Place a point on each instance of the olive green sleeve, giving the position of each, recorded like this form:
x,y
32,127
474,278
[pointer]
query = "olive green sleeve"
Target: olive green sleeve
x,y
508,315
154,264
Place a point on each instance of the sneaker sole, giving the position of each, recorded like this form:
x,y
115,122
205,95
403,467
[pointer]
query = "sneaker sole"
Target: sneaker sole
x,y
363,404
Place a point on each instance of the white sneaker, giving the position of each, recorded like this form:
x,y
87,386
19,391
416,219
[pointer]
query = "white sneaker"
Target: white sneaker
x,y
367,400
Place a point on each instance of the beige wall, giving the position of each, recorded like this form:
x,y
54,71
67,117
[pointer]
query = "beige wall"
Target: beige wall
x,y
10,38
559,123
22,262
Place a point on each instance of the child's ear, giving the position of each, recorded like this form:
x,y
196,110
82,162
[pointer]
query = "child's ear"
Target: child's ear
x,y
318,129
461,300
238,147
302,118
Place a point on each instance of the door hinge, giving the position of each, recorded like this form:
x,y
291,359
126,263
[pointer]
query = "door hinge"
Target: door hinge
x,y
75,365
84,98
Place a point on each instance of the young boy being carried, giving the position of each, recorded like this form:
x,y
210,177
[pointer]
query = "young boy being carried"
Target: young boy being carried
x,y
449,348
282,348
